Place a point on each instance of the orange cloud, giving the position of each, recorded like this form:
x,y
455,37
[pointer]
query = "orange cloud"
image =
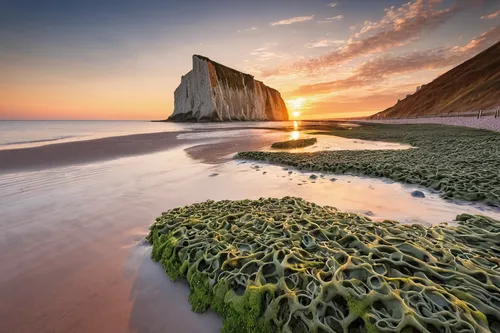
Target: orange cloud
x,y
491,16
382,68
399,26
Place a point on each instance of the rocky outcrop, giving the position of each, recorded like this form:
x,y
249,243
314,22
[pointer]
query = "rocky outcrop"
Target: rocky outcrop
x,y
214,92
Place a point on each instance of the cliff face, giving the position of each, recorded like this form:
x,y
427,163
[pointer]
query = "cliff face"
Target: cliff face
x,y
213,92
472,85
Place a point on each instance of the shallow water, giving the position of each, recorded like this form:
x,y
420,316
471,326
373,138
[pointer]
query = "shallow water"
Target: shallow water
x,y
71,238
24,134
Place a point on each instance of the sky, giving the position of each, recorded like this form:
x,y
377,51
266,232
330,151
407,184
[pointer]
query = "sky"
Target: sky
x,y
123,59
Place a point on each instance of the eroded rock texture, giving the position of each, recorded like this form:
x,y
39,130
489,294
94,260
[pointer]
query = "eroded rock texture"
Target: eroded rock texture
x,y
214,92
287,265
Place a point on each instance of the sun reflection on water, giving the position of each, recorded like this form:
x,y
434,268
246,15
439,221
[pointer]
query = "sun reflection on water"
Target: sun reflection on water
x,y
294,135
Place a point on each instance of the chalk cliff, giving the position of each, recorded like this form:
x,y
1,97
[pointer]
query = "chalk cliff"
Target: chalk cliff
x,y
214,92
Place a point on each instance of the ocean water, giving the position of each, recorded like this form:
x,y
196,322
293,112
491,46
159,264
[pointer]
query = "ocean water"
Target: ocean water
x,y
24,134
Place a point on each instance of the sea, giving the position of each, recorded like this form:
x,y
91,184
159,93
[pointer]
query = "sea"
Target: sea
x,y
32,133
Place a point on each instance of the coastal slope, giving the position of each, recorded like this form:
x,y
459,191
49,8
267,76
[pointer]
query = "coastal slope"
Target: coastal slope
x,y
214,92
473,85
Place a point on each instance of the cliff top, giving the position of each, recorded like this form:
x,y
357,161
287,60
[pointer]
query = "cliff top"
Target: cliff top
x,y
230,75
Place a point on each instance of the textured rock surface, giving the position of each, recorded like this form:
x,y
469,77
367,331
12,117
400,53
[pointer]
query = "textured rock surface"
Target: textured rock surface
x,y
291,144
213,92
287,265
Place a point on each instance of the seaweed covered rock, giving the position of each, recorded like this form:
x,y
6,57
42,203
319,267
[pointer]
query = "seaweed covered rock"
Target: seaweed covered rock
x,y
460,163
287,265
291,144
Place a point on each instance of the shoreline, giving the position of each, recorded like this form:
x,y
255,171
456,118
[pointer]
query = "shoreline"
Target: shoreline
x,y
484,123
87,151
108,148
104,149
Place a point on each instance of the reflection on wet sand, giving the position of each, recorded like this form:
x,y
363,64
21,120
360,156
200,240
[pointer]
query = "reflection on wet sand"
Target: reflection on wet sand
x,y
294,135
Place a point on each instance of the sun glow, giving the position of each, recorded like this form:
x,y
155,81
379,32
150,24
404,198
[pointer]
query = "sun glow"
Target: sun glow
x,y
294,135
295,106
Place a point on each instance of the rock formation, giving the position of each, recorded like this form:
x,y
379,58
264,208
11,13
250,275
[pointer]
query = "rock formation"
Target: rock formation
x,y
214,92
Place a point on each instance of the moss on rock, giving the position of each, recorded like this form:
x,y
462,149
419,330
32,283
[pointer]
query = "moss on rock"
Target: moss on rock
x,y
460,163
287,265
292,144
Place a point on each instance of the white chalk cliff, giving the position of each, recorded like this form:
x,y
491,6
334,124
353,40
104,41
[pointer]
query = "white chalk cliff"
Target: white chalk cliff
x,y
214,92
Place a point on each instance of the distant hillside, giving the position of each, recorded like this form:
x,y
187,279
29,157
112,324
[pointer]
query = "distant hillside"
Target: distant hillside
x,y
473,85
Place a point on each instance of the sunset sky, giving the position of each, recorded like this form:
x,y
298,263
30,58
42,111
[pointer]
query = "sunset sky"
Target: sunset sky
x,y
123,59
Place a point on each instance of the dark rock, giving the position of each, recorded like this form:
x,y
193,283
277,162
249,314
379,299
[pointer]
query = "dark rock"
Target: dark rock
x,y
418,194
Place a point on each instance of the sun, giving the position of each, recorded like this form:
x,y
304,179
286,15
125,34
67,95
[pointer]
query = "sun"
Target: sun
x,y
295,106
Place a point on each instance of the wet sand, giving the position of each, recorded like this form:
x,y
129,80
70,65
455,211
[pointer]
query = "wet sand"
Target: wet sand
x,y
72,252
73,257
61,154
104,149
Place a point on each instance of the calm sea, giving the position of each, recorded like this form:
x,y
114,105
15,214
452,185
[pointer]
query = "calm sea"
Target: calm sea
x,y
23,134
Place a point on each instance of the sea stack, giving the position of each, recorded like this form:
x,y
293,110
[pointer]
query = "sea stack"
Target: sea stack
x,y
214,92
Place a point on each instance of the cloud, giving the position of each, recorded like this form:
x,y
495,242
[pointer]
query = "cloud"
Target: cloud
x,y
325,43
332,4
249,29
338,17
265,53
331,19
398,26
382,68
293,20
491,16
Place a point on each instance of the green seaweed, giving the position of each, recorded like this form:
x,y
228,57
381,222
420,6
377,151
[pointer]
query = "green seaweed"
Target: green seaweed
x,y
459,163
291,144
287,265
200,296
